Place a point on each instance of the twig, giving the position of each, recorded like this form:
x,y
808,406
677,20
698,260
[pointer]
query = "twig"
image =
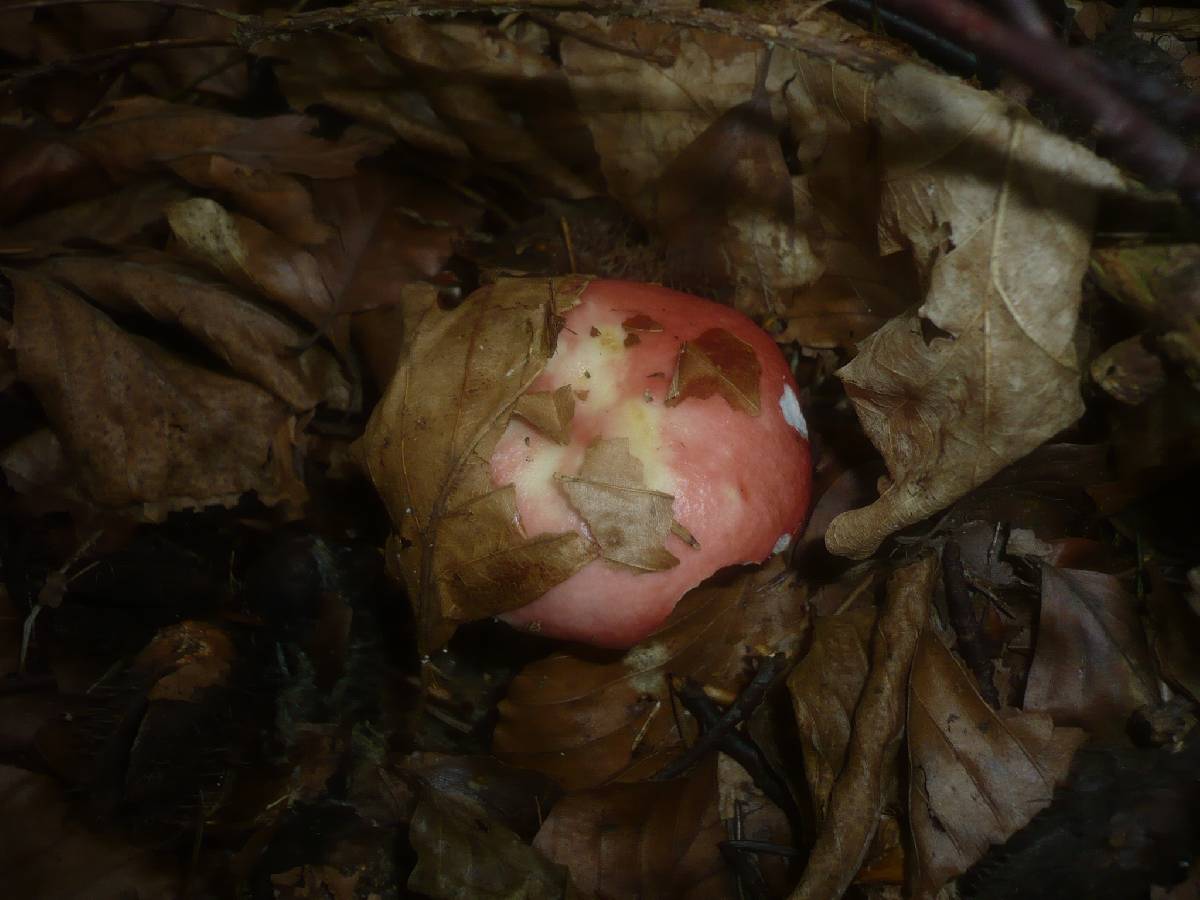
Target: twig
x,y
966,626
1126,134
930,45
763,847
599,41
166,4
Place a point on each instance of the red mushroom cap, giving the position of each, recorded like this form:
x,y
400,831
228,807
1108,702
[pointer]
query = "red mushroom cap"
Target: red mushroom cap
x,y
740,480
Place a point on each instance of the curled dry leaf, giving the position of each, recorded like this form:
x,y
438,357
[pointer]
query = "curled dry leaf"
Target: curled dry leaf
x,y
1091,665
975,775
645,840
258,344
857,797
628,520
462,852
1128,372
550,412
143,427
586,721
427,448
717,362
986,369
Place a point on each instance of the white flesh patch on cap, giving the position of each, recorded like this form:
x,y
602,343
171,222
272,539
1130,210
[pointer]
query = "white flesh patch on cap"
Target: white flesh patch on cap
x,y
782,543
791,411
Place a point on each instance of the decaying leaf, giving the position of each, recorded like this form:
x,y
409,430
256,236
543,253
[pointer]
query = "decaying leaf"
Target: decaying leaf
x,y
550,412
857,797
717,362
428,445
826,687
629,521
143,427
1091,666
985,370
643,840
1176,633
1128,372
462,852
587,721
976,775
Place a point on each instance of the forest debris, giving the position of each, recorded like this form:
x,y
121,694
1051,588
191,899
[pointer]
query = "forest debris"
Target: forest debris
x,y
1128,372
717,362
985,370
976,775
857,796
586,721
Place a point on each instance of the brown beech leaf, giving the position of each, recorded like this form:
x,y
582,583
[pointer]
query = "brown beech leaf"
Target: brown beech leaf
x,y
281,202
142,427
628,520
550,412
462,852
1091,665
857,797
257,343
141,132
1176,633
587,720
717,362
986,369
112,219
486,566
643,840
826,686
252,257
976,776
428,444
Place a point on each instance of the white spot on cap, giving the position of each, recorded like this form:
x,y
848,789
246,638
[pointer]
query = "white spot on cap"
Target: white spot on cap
x,y
782,543
791,411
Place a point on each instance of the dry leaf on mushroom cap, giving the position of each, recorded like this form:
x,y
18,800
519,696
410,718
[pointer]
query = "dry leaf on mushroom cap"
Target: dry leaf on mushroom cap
x,y
428,445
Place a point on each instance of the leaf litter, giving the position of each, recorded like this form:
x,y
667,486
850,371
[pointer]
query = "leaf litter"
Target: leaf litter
x,y
207,314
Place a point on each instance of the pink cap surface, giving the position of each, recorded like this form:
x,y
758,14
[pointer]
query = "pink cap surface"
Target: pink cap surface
x,y
740,482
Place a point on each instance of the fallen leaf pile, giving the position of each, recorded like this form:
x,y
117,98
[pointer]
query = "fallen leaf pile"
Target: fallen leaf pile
x,y
274,282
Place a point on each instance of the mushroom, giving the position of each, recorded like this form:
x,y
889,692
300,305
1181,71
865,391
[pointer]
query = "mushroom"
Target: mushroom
x,y
665,429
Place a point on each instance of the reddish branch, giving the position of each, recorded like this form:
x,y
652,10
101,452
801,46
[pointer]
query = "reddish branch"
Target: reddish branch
x,y
1126,134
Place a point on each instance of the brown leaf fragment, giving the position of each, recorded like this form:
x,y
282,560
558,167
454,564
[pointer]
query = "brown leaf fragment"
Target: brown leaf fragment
x,y
487,566
279,201
429,441
1176,632
252,257
462,852
587,721
826,686
550,412
717,362
139,132
641,322
256,342
856,800
112,219
976,775
644,840
629,521
143,427
1091,665
1001,239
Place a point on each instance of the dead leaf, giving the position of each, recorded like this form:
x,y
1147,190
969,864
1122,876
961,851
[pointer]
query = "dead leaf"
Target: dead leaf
x,y
1176,632
826,687
252,257
586,720
550,412
1128,372
985,370
142,132
645,840
1091,665
629,521
142,427
257,343
461,852
976,775
857,797
429,441
717,362
280,201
